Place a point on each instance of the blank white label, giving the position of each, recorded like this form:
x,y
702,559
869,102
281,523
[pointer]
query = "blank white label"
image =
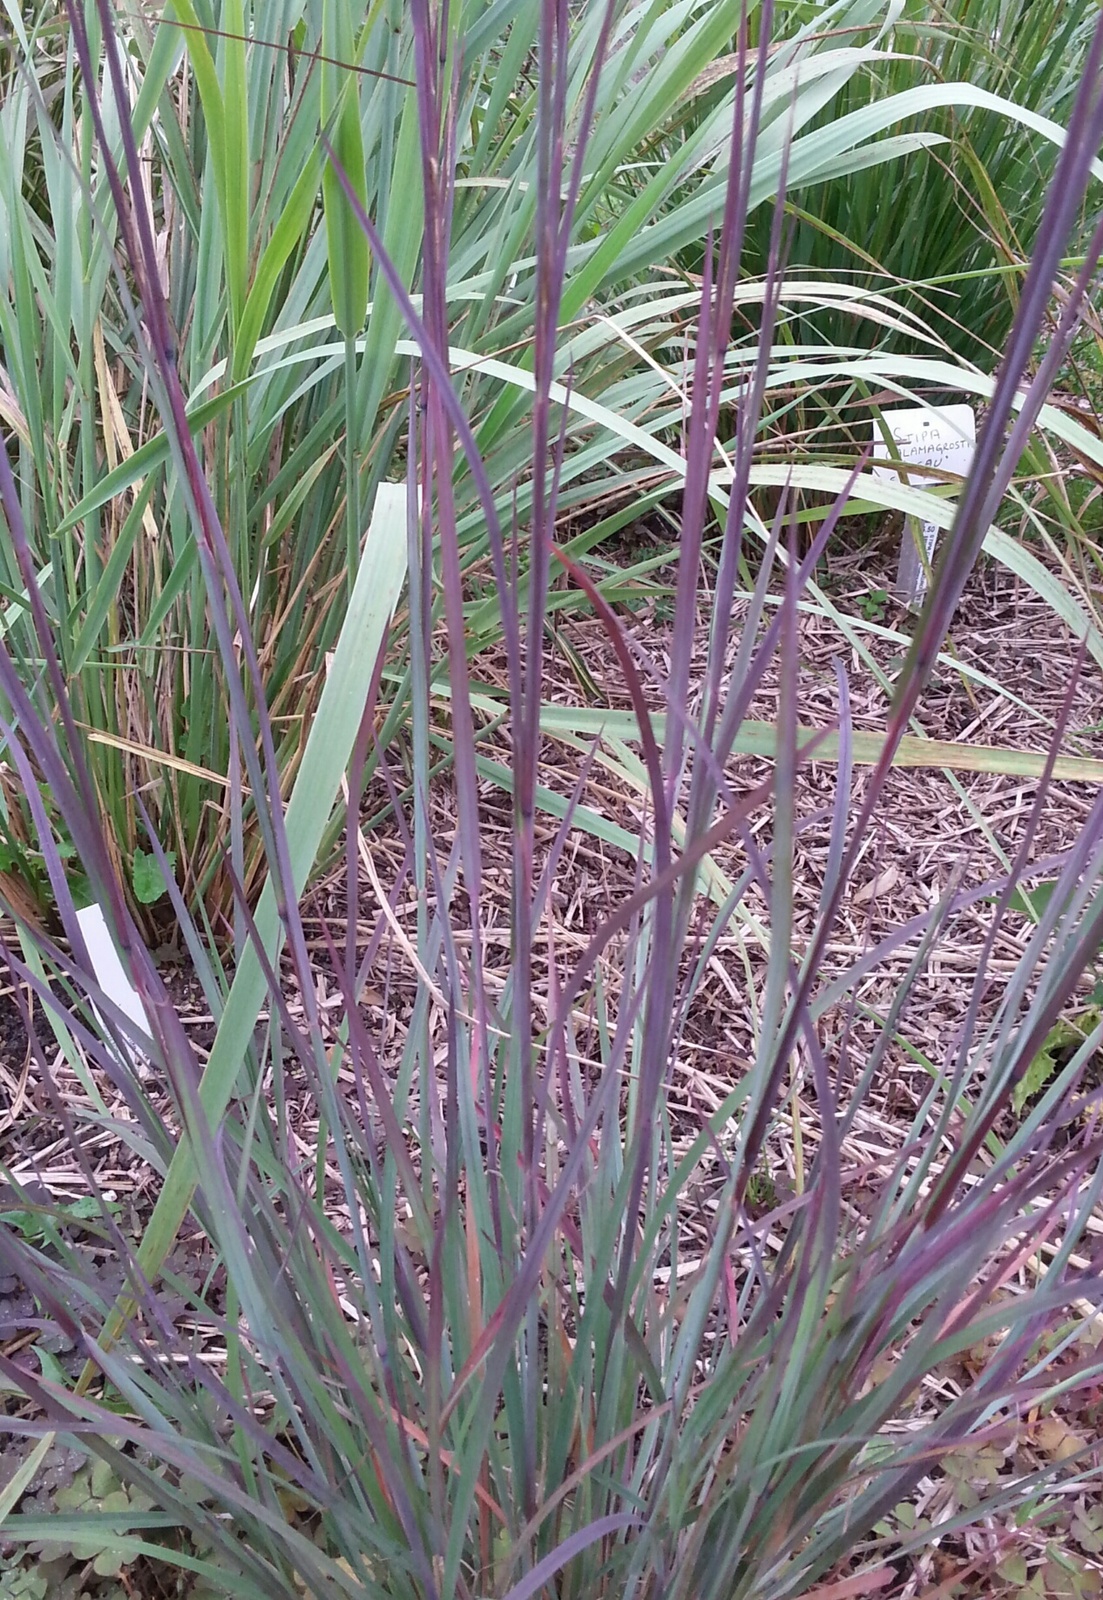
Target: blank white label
x,y
108,969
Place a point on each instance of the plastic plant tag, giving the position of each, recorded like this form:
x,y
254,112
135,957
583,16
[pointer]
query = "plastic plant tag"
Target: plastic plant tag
x,y
938,437
109,973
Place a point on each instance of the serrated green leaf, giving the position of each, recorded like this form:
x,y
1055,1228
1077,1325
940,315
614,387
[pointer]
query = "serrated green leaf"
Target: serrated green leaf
x,y
146,878
1045,1065
1034,1079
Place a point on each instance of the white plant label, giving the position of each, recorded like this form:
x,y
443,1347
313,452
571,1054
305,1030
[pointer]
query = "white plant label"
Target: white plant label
x,y
108,969
939,437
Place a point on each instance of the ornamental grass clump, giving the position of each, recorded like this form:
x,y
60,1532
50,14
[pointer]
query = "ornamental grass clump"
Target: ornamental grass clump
x,y
294,360
947,230
487,1303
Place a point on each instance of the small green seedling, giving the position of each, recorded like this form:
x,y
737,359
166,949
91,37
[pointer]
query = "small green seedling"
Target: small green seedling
x,y
1061,1044
146,877
874,605
37,1225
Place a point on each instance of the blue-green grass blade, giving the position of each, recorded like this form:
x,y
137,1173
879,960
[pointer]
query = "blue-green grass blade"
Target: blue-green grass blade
x,y
329,744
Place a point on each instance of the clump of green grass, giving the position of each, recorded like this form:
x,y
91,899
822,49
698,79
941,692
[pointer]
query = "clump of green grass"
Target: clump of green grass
x,y
948,229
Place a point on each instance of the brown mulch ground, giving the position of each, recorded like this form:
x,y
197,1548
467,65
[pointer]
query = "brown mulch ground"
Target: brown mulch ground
x,y
932,829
